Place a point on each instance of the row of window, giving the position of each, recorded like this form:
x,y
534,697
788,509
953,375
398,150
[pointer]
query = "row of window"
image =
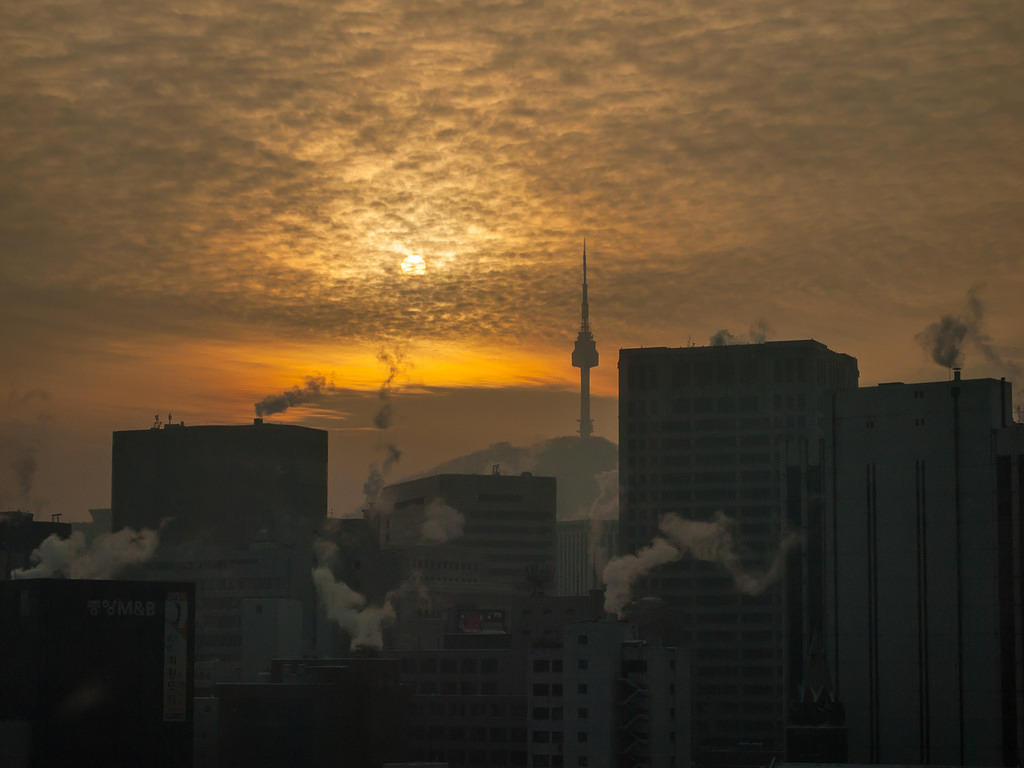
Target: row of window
x,y
430,665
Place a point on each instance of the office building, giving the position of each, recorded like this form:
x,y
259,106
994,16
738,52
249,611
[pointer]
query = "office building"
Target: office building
x,y
221,484
100,672
730,429
924,572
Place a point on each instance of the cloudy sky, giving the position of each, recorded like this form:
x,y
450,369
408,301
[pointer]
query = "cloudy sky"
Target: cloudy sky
x,y
203,202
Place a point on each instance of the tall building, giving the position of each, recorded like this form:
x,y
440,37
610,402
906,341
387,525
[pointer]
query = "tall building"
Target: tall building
x,y
737,430
584,356
924,572
489,533
221,484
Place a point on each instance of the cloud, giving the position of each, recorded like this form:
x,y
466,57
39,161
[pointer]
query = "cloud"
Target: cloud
x,y
270,163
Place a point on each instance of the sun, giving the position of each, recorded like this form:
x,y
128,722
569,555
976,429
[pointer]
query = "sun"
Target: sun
x,y
413,264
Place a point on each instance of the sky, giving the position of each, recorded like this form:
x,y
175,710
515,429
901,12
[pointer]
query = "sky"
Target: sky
x,y
205,202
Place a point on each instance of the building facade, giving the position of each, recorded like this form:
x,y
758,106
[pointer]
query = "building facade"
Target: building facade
x,y
221,484
708,430
583,549
496,532
924,572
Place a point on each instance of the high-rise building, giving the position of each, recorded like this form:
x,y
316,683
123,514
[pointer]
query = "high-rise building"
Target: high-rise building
x,y
221,484
737,430
923,572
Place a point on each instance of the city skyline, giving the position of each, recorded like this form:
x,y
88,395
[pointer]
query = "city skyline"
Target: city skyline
x,y
206,205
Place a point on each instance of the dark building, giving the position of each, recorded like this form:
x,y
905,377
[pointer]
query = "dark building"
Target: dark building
x,y
316,714
503,544
19,535
99,671
924,572
742,430
221,484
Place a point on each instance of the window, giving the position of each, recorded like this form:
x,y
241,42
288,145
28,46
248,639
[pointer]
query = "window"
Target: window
x,y
581,639
540,689
582,713
581,737
581,688
582,761
541,665
541,713
581,664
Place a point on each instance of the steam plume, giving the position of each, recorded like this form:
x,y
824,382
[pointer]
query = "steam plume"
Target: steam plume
x,y
382,420
441,523
314,388
364,623
945,340
722,338
708,541
72,558
621,572
24,467
758,334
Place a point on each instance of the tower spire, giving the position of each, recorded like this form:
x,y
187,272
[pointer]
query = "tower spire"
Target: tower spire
x,y
584,355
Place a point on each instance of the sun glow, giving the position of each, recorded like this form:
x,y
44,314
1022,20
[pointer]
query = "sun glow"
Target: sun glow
x,y
413,264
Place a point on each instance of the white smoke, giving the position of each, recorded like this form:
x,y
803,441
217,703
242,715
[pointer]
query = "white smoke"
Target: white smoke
x,y
73,558
714,542
363,623
441,523
621,572
710,541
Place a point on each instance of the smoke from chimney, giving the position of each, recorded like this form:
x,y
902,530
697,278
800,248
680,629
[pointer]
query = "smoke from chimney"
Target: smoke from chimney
x,y
24,467
758,334
314,388
946,339
105,558
382,420
707,541
363,623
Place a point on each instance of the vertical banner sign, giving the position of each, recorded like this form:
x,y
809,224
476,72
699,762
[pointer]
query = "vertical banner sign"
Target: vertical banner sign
x,y
176,659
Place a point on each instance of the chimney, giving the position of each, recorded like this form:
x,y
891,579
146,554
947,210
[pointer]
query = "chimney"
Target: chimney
x,y
257,420
956,374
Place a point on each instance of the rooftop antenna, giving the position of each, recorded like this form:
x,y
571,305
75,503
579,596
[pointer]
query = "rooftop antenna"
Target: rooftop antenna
x,y
584,355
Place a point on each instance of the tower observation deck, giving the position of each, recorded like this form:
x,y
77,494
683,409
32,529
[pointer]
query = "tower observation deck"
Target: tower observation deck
x,y
584,356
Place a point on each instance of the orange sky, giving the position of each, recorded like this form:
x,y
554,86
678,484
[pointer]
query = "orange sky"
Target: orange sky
x,y
202,203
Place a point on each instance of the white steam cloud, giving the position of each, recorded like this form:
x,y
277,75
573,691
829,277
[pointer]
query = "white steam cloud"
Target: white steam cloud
x,y
73,558
363,623
711,541
441,523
